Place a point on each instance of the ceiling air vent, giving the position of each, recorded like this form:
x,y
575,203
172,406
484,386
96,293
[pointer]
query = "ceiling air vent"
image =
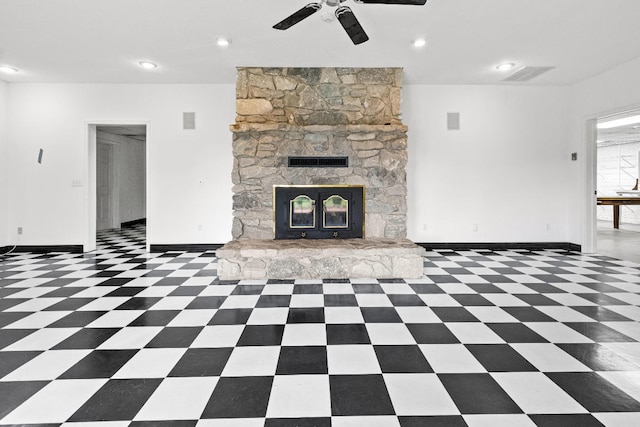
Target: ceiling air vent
x,y
527,73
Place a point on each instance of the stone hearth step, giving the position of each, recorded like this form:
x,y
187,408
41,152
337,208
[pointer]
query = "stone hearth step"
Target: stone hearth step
x,y
320,259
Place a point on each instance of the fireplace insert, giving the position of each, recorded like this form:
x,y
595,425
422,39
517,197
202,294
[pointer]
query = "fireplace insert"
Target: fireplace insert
x,y
318,212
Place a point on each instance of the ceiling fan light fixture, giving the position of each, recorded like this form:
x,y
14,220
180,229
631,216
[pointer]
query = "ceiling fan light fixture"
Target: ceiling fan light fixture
x,y
147,65
419,42
505,66
7,69
223,41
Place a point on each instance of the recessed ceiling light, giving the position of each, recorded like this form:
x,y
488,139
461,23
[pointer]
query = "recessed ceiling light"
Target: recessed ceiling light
x,y
505,66
420,42
147,65
223,41
8,70
619,122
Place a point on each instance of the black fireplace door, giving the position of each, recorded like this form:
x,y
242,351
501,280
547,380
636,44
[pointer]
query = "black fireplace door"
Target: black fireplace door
x,y
319,212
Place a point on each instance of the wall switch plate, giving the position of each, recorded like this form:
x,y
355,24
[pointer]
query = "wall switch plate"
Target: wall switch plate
x,y
76,183
19,230
574,156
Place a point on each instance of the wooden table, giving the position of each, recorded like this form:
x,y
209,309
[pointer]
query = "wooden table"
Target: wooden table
x,y
616,201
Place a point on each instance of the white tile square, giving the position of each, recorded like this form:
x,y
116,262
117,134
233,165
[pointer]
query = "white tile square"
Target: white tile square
x,y
564,314
557,332
488,314
156,291
55,403
419,394
218,336
515,288
35,304
47,366
505,300
630,329
93,291
306,300
37,320
178,399
498,420
397,288
457,288
352,360
619,419
417,315
116,319
451,358
439,300
549,358
199,317
365,421
628,350
535,393
474,333
627,381
42,339
302,334
343,315
230,422
337,288
570,299
151,363
104,304
240,301
215,290
252,361
373,300
389,334
173,303
268,316
299,396
630,311
279,289
470,278
134,337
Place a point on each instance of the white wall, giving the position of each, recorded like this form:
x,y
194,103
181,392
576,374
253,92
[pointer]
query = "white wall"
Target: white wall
x,y
189,176
4,208
614,91
131,169
506,170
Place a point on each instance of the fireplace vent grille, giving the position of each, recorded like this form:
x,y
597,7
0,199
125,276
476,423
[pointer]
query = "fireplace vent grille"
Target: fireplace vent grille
x,y
318,162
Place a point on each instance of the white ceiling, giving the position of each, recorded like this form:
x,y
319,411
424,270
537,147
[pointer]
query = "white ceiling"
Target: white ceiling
x,y
101,41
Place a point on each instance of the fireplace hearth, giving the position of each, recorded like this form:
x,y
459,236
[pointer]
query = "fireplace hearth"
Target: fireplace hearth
x,y
319,212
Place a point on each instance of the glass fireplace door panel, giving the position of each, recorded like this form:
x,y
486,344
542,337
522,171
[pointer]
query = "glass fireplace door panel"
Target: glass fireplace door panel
x,y
302,212
335,212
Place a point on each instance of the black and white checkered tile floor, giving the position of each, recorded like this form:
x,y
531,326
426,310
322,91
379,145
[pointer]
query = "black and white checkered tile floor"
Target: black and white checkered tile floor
x,y
121,337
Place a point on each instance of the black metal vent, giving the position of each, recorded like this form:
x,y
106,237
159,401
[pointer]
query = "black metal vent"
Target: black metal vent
x,y
318,162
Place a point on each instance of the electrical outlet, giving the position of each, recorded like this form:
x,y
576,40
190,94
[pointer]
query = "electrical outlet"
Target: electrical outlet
x,y
475,227
19,230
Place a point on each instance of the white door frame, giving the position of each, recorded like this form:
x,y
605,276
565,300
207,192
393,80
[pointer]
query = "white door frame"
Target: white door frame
x,y
589,135
90,178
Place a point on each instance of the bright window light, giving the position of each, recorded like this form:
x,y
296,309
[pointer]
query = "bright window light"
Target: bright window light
x,y
619,122
8,70
147,65
420,42
506,66
223,41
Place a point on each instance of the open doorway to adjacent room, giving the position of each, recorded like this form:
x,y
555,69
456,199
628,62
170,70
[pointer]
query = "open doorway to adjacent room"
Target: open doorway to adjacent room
x,y
117,189
618,169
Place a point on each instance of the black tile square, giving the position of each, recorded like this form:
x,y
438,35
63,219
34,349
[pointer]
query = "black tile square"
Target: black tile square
x,y
454,314
528,314
598,357
125,291
306,315
243,397
432,333
87,338
516,333
155,318
426,288
280,282
308,289
536,299
340,300
359,395
248,290
10,360
500,358
602,299
302,360
478,394
117,282
15,393
261,335
235,316
601,287
99,364
402,359
594,392
485,288
434,421
367,288
175,337
496,278
117,400
543,288
171,281
347,334
6,303
471,299
601,314
64,292
138,303
442,278
10,317
336,281
599,332
298,422
187,291
405,300
273,301
380,315
172,423
77,319
201,362
206,303
565,420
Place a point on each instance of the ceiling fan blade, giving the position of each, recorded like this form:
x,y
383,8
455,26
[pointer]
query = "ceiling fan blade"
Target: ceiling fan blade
x,y
298,16
409,2
351,25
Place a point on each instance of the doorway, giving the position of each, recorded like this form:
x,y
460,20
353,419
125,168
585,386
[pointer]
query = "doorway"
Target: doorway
x,y
117,180
617,171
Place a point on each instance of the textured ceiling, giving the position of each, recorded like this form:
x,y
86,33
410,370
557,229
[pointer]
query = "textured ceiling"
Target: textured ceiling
x,y
101,41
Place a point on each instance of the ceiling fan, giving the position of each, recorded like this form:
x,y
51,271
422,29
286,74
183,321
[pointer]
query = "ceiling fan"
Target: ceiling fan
x,y
344,14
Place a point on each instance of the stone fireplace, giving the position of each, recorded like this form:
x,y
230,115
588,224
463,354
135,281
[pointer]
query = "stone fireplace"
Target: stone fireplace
x,y
324,128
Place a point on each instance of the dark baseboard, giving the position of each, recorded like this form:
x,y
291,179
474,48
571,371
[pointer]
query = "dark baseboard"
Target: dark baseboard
x,y
189,247
501,246
5,249
42,249
141,221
